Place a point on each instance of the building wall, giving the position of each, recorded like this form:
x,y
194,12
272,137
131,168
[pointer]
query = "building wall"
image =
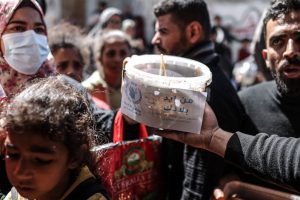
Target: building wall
x,y
240,18
74,11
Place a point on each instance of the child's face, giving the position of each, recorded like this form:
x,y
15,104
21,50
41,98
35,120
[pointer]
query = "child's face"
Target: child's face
x,y
38,167
68,61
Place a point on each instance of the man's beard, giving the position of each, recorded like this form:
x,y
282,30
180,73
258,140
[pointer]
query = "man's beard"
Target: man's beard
x,y
180,47
161,49
287,87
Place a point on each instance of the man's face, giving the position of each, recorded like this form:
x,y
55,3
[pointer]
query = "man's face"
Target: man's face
x,y
283,52
169,38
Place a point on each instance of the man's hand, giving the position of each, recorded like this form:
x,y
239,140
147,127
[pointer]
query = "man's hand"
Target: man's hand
x,y
211,137
199,140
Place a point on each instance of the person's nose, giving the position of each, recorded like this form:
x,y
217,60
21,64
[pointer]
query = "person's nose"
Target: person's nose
x,y
119,57
74,75
70,68
73,71
292,49
155,40
23,169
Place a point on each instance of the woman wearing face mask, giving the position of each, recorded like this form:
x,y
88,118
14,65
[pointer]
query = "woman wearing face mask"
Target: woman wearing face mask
x,y
23,51
24,46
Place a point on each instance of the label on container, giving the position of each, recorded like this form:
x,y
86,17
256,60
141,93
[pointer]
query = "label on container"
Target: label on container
x,y
166,108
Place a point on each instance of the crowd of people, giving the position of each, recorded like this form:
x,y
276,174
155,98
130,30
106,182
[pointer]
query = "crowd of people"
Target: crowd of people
x,y
62,93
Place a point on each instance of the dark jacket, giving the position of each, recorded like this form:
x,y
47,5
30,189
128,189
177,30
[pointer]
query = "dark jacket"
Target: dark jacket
x,y
271,112
203,169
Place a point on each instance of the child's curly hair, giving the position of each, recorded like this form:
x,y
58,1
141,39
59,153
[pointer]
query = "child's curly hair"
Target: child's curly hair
x,y
55,110
67,35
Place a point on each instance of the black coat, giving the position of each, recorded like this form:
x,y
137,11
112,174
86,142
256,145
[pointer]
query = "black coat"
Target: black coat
x,y
203,169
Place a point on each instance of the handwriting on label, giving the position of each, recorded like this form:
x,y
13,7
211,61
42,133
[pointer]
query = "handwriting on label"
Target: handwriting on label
x,y
183,100
173,103
175,109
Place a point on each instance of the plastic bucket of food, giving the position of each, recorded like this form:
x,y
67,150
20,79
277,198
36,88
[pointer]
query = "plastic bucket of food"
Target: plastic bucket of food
x,y
167,92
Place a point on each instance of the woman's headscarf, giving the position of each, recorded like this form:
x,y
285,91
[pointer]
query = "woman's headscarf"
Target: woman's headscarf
x,y
10,79
103,19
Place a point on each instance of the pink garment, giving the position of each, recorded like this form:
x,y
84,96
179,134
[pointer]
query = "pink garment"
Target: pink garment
x,y
10,79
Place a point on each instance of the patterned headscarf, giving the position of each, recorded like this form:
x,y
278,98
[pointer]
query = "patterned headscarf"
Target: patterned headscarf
x,y
10,79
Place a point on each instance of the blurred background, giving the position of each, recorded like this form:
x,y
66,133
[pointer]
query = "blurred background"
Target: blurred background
x,y
234,29
239,16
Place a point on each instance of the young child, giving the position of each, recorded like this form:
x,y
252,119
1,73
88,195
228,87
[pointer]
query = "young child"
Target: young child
x,y
49,131
69,53
66,45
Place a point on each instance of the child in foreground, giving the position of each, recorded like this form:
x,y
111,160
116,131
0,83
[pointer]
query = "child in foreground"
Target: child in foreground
x,y
49,131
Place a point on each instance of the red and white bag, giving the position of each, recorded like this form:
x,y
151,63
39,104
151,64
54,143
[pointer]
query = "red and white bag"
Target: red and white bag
x,y
131,169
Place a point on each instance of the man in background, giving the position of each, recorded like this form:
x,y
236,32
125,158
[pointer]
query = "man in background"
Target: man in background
x,y
183,29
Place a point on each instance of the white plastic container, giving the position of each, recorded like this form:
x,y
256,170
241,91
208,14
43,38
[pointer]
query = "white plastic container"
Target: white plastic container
x,y
175,101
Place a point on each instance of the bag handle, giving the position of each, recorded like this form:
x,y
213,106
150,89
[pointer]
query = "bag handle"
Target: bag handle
x,y
119,128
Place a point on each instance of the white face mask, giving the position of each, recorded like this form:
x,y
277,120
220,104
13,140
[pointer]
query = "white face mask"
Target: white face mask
x,y
26,51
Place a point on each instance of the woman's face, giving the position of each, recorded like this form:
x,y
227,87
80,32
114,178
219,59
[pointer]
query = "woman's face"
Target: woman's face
x,y
114,22
24,19
37,167
112,58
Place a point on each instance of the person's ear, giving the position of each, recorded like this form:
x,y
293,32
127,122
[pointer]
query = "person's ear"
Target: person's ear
x,y
264,54
3,138
99,58
195,32
76,160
